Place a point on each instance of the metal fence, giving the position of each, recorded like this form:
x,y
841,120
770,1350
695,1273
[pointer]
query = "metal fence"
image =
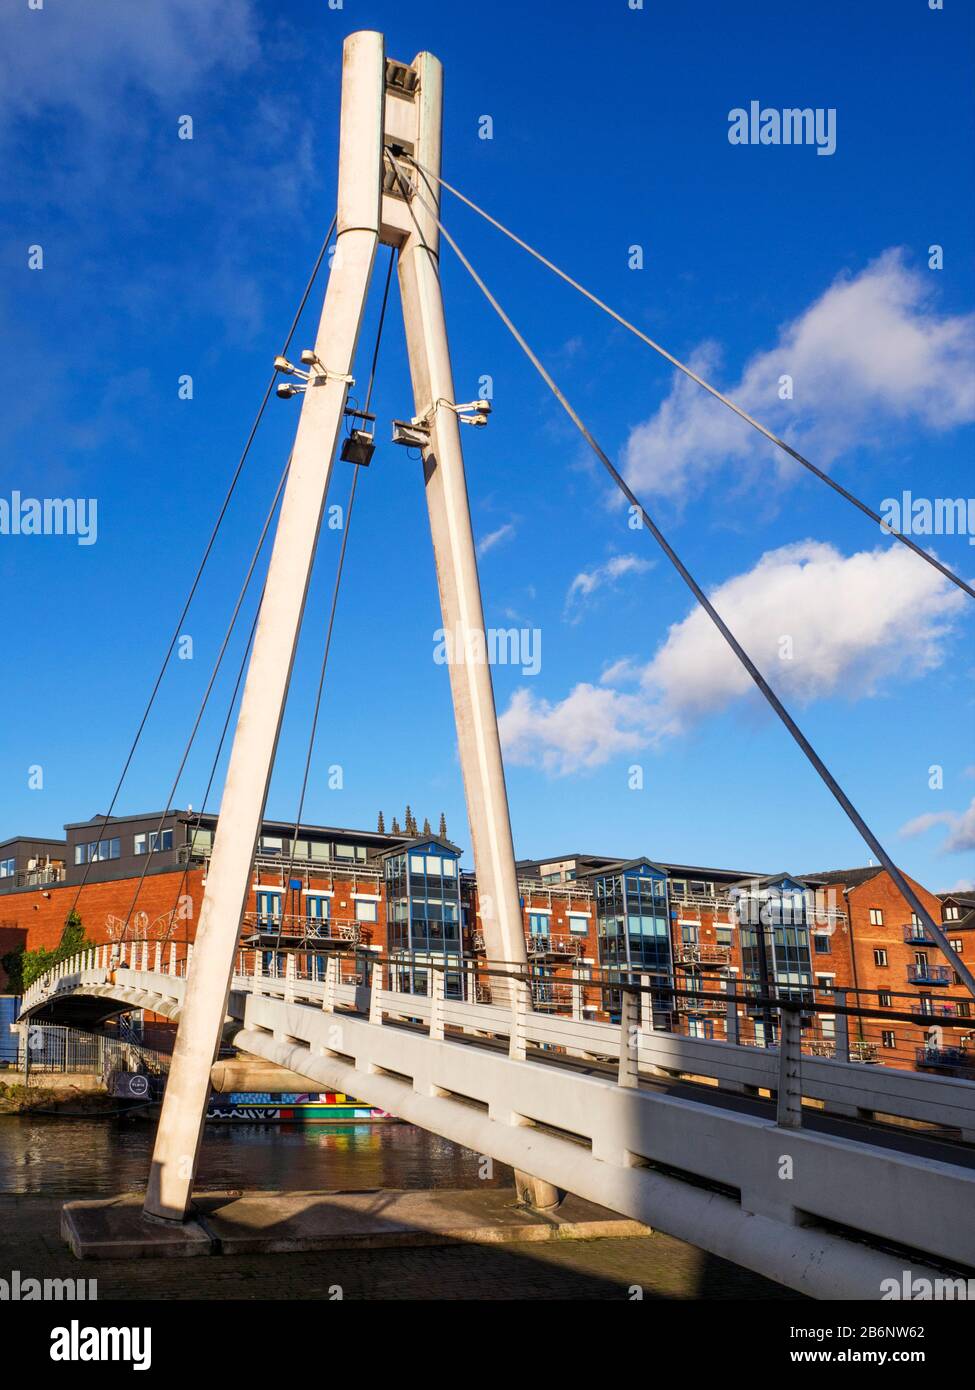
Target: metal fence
x,y
50,1047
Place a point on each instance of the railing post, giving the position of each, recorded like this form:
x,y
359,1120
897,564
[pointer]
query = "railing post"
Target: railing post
x,y
629,1040
290,967
788,1107
375,993
172,958
258,971
157,958
145,957
646,1005
841,1027
437,994
577,1010
189,958
519,1015
331,984
731,1032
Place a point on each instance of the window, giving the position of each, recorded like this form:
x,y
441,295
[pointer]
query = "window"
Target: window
x,y
96,850
7,867
317,912
159,840
679,888
578,924
722,936
270,844
538,923
889,1038
822,944
366,910
883,999
825,983
877,917
951,913
268,908
449,868
880,956
689,933
139,844
957,944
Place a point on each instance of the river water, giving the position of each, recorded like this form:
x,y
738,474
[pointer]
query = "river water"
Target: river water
x,y
98,1157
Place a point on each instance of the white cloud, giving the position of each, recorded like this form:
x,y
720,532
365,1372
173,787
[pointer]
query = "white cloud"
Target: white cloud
x,y
493,538
77,56
960,825
584,730
817,623
870,351
586,583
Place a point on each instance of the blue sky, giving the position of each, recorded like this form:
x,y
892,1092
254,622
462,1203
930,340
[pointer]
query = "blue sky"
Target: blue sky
x,y
164,257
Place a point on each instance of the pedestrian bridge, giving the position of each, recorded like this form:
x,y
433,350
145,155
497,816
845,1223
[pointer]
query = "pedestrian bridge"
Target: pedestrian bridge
x,y
769,1158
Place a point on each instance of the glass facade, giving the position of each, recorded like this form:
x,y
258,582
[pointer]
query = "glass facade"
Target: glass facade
x,y
632,925
776,937
423,915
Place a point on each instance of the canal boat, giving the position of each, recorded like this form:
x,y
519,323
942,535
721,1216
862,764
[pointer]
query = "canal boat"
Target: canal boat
x,y
299,1107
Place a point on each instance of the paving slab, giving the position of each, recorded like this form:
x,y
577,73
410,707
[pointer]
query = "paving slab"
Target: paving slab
x,y
235,1223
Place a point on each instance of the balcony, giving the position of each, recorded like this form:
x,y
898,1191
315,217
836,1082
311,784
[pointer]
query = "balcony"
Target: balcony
x,y
293,927
704,1003
935,1011
550,996
952,1060
556,947
688,954
917,936
928,974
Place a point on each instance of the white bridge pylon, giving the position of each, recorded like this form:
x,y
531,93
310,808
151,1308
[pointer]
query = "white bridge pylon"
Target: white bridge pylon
x,y
383,103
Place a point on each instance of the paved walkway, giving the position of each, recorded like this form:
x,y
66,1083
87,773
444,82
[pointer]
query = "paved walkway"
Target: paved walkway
x,y
657,1266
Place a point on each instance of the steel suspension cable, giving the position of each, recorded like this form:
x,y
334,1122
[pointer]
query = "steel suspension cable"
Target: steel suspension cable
x,y
696,377
769,694
335,590
208,692
206,555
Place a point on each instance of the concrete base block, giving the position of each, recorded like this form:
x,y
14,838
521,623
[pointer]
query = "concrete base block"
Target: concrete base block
x,y
289,1222
115,1228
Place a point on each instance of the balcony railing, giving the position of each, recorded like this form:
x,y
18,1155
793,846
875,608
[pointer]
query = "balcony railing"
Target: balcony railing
x,y
34,878
549,995
292,926
704,1003
947,1058
935,1010
928,974
570,947
917,936
688,953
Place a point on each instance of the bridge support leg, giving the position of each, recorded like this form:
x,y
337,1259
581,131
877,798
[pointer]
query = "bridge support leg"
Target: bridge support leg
x,y
453,545
535,1192
258,726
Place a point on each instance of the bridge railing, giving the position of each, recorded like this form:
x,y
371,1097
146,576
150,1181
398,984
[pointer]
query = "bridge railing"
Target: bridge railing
x,y
532,1010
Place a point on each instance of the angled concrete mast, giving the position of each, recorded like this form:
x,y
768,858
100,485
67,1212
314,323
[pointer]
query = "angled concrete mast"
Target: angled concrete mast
x,y
401,105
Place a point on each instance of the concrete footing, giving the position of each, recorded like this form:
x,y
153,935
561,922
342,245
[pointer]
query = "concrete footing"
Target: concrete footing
x,y
289,1222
